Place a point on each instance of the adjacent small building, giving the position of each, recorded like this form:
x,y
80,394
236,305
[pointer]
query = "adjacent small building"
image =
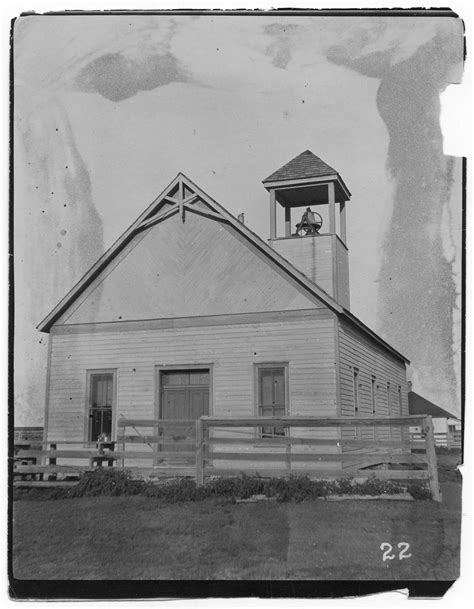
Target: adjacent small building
x,y
190,313
447,427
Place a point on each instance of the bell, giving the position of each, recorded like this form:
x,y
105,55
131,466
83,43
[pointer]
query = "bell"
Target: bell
x,y
311,223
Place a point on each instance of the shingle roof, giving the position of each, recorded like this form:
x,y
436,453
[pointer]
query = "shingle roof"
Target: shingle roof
x,y
305,165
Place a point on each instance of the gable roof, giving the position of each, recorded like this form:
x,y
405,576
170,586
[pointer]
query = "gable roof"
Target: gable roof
x,y
179,197
305,165
417,404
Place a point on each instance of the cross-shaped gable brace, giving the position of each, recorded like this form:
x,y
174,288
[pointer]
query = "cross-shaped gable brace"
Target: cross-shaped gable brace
x,y
186,204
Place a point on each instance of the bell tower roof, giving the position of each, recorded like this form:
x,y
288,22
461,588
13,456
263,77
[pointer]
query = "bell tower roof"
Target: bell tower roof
x,y
305,165
306,169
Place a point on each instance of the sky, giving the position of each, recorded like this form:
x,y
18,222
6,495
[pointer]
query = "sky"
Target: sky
x,y
108,109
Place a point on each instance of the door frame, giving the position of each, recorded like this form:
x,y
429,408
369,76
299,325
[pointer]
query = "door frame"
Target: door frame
x,y
89,373
160,368
257,366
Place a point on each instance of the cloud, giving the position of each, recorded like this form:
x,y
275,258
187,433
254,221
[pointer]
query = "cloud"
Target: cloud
x,y
117,77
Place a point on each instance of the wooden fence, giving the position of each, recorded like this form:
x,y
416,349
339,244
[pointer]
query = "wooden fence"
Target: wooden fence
x,y
264,446
158,452
447,439
387,459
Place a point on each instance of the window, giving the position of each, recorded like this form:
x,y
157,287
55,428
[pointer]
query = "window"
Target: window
x,y
374,395
356,391
272,396
101,398
389,407
400,401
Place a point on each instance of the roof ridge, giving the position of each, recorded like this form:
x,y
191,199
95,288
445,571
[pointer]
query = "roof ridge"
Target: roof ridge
x,y
304,165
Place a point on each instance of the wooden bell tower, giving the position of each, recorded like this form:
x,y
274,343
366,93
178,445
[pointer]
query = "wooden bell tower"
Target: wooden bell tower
x,y
322,255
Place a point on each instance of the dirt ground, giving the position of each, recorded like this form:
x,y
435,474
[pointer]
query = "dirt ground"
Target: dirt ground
x,y
448,462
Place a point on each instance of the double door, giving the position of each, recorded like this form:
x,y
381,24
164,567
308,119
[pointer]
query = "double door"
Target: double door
x,y
184,397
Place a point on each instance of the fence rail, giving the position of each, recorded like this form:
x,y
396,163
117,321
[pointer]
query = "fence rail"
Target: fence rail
x,y
217,446
446,439
355,457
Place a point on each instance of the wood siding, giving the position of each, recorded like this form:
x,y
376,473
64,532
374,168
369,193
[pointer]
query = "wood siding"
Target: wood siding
x,y
310,255
306,345
360,352
342,271
175,269
323,259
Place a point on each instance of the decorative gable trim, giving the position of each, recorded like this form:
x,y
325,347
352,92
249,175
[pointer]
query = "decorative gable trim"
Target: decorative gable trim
x,y
180,197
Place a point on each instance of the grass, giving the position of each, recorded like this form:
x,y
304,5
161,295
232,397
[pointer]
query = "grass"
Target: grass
x,y
140,537
351,550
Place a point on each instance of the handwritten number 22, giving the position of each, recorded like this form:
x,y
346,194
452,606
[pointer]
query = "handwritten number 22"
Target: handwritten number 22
x,y
387,555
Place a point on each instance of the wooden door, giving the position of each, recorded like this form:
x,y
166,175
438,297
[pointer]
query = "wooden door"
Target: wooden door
x,y
184,397
272,397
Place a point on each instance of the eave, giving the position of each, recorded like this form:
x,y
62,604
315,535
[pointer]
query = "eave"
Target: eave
x,y
351,318
302,182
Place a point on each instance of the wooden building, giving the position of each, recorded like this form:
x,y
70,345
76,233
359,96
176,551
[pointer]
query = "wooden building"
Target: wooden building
x,y
446,426
190,313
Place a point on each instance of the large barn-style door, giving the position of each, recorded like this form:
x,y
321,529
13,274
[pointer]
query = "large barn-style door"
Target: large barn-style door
x,y
184,396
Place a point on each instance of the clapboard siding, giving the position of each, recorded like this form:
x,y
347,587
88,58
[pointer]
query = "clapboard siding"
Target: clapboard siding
x,y
313,256
342,262
359,351
322,258
307,346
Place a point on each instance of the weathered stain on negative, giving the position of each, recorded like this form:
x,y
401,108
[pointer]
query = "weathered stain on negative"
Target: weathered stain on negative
x,y
118,77
58,231
419,283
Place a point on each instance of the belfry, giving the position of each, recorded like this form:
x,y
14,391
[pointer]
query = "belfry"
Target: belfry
x,y
316,242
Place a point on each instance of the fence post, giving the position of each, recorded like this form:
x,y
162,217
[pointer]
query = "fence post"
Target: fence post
x,y
199,453
431,458
288,450
52,461
123,447
448,439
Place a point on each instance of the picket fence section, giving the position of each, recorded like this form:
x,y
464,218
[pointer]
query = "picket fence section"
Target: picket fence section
x,y
263,446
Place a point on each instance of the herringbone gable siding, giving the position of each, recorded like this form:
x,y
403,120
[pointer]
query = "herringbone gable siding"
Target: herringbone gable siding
x,y
196,268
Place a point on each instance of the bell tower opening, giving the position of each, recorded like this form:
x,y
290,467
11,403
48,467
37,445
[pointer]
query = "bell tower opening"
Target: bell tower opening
x,y
314,242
